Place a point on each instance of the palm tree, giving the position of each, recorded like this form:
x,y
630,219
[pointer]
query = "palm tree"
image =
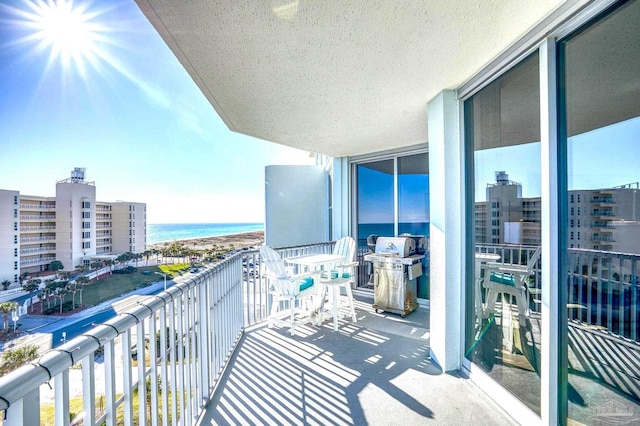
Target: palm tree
x,y
56,265
6,284
6,308
146,255
73,288
82,281
49,292
96,264
82,268
31,286
61,294
14,358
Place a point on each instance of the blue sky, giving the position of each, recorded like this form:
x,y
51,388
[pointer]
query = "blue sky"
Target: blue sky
x,y
108,95
601,158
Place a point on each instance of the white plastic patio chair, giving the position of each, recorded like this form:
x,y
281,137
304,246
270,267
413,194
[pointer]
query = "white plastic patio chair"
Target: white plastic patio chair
x,y
286,288
340,276
511,279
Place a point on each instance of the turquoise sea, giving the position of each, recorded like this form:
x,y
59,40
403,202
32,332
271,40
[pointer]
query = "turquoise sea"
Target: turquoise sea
x,y
162,232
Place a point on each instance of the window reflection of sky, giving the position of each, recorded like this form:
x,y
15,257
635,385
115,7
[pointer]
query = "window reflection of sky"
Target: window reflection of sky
x,y
605,157
601,158
375,197
413,193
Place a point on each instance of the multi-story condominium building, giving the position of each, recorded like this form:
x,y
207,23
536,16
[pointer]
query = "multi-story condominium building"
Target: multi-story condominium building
x,y
599,219
71,227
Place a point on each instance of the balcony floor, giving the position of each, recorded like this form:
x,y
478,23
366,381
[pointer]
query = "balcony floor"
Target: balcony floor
x,y
375,371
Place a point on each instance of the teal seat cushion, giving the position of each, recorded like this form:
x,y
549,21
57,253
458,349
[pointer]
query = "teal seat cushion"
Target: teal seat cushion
x,y
500,278
306,283
335,274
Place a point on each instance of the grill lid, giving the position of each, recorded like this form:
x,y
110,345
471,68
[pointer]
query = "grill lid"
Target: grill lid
x,y
394,246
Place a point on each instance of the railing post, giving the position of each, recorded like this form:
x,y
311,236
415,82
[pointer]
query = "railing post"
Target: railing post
x,y
89,389
61,388
22,411
110,382
204,339
127,386
153,356
142,382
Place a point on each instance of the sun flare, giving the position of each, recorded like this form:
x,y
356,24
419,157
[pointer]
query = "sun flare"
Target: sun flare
x,y
67,31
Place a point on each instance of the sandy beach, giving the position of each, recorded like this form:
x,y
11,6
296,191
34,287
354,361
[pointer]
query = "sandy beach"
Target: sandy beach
x,y
245,239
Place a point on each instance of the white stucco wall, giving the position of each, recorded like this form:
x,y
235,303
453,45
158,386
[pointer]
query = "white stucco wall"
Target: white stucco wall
x,y
296,205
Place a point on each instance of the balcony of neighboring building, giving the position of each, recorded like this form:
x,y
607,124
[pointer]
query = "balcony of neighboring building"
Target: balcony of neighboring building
x,y
25,239
34,261
602,199
37,206
602,224
602,213
37,228
603,238
37,217
103,242
29,251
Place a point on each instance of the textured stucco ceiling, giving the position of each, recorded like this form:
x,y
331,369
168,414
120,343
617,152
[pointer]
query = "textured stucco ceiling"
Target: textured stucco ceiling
x,y
336,77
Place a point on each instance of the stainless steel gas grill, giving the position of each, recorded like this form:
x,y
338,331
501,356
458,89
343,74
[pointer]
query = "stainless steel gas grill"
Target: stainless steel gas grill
x,y
396,267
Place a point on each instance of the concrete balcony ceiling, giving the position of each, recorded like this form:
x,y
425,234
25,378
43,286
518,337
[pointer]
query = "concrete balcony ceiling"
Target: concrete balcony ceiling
x,y
336,77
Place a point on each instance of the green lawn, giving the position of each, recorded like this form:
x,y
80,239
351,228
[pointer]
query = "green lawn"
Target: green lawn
x,y
118,284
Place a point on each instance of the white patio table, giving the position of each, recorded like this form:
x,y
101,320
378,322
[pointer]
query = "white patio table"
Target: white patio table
x,y
317,263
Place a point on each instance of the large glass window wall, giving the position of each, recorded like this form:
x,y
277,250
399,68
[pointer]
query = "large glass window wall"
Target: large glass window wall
x,y
503,320
600,136
392,199
594,358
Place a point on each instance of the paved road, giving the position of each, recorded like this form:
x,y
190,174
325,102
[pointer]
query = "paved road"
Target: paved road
x,y
46,331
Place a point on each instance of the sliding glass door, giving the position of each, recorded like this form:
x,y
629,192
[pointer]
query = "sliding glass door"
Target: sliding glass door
x,y
503,320
392,198
600,81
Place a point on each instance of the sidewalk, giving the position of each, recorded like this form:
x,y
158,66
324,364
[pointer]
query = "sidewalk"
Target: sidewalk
x,y
40,328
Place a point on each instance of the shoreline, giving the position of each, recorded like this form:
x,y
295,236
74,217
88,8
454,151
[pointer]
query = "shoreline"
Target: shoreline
x,y
240,240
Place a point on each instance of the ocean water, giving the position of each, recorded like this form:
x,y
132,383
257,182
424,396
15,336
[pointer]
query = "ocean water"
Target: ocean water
x,y
163,232
386,229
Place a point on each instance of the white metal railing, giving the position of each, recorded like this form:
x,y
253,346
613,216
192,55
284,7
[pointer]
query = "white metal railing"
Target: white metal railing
x,y
37,206
199,319
36,250
36,228
603,286
37,239
37,217
36,261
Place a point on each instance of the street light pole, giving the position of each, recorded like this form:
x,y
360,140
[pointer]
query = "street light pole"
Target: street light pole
x,y
165,279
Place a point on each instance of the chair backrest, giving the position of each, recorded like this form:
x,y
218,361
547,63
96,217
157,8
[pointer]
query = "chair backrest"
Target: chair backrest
x,y
346,246
273,263
533,260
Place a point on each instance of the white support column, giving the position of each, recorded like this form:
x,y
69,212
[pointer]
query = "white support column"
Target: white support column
x,y
340,208
446,261
552,310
